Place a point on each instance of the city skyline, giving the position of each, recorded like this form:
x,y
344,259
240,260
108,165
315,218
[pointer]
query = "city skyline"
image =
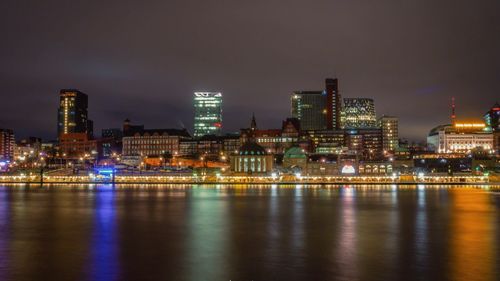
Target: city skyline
x,y
250,140
431,55
25,133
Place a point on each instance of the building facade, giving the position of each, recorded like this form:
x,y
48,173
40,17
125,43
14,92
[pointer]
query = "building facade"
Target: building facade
x,y
492,120
367,143
154,142
310,107
318,110
73,113
208,113
274,141
359,113
251,159
77,145
390,132
326,141
334,104
7,144
456,139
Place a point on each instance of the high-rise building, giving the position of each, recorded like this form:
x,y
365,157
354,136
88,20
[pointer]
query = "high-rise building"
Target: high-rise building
x,y
7,144
318,110
334,104
208,113
390,132
367,143
359,113
72,113
310,107
492,118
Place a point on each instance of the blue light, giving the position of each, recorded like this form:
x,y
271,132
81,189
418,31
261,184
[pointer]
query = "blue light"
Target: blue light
x,y
105,171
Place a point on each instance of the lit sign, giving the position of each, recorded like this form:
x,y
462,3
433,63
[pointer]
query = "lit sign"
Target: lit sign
x,y
470,125
207,94
348,169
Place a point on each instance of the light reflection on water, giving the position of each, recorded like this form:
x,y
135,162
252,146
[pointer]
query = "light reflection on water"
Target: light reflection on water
x,y
240,232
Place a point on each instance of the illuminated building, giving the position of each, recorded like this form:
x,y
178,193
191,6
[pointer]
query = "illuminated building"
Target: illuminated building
x,y
251,158
77,145
375,168
367,143
7,144
216,148
28,146
492,120
310,107
359,113
390,132
274,141
208,113
318,110
72,113
111,142
326,141
188,148
210,146
461,137
154,142
295,157
334,104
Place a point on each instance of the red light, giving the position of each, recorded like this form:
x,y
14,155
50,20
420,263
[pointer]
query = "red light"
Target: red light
x,y
218,125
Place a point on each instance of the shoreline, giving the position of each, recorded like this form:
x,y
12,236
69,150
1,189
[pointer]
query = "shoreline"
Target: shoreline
x,y
493,184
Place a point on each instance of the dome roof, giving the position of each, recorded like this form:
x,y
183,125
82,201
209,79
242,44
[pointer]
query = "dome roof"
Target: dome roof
x,y
251,148
436,130
294,153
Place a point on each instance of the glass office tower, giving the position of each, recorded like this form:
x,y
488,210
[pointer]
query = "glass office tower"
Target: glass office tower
x,y
359,113
208,113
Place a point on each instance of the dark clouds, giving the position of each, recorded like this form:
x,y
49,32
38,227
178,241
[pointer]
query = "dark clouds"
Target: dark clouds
x,y
143,59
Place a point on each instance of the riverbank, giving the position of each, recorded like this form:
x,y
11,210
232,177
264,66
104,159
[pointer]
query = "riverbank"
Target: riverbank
x,y
120,179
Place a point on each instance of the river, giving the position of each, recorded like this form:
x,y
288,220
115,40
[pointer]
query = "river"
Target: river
x,y
249,232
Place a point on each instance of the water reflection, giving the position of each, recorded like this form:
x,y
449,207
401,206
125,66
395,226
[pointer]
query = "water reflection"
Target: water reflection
x,y
4,233
473,240
347,248
104,256
207,235
246,232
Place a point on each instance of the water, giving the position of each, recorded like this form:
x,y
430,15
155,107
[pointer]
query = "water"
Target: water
x,y
176,232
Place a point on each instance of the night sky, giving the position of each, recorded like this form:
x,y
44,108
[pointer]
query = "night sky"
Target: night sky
x,y
144,59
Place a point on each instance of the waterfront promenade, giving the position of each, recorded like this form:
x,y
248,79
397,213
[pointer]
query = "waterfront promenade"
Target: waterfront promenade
x,y
220,179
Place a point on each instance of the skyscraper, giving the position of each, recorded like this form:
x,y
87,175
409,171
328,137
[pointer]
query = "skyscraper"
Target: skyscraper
x,y
492,118
390,134
208,113
7,144
72,113
334,104
359,113
318,110
310,107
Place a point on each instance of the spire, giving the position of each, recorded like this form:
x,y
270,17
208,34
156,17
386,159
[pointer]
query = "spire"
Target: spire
x,y
253,124
453,116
